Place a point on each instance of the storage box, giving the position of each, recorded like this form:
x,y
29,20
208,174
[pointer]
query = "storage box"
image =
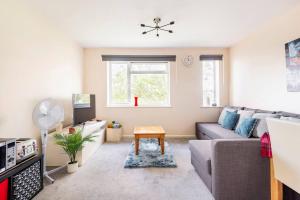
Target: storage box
x,y
4,190
113,134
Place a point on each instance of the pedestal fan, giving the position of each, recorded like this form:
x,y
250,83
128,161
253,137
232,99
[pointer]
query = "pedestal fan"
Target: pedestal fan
x,y
46,115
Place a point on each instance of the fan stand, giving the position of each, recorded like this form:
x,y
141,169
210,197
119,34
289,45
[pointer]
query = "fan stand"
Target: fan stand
x,y
44,137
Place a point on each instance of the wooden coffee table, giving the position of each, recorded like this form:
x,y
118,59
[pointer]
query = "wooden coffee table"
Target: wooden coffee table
x,y
149,132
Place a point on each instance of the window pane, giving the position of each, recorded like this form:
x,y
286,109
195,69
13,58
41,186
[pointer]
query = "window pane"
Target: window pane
x,y
119,83
210,83
148,81
151,89
149,67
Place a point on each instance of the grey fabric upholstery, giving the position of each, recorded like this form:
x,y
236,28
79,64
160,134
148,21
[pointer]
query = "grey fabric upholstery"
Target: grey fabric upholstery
x,y
214,131
238,170
235,107
202,148
199,134
232,169
202,136
292,119
230,166
260,111
287,114
201,160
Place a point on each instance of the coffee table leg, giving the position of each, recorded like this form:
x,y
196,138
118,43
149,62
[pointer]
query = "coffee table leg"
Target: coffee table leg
x,y
136,146
162,145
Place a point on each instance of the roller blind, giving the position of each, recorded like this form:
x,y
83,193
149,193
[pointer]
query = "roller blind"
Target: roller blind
x,y
211,57
138,58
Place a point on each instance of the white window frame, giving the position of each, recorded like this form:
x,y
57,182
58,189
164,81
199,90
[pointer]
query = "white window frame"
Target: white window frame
x,y
130,103
217,90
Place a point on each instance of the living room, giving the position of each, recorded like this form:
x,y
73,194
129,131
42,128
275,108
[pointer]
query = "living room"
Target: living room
x,y
171,71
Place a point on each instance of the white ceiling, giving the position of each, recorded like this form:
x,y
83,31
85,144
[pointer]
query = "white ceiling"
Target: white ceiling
x,y
198,23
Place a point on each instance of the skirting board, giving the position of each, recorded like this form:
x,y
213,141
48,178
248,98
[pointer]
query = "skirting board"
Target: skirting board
x,y
167,136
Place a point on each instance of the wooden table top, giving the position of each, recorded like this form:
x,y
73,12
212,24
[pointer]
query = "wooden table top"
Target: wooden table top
x,y
149,130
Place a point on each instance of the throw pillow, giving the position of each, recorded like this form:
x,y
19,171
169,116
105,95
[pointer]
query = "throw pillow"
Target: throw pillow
x,y
230,120
244,114
223,113
246,127
261,126
292,119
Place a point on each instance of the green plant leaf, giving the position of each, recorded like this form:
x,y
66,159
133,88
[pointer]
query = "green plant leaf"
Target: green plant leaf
x,y
72,143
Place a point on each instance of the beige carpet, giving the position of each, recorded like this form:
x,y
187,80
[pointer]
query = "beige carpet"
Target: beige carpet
x,y
104,178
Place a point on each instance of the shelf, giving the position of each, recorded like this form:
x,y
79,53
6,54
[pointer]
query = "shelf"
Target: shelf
x,y
20,166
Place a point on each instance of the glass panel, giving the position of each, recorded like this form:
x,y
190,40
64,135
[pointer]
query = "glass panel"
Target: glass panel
x,y
119,83
151,89
148,81
149,67
210,83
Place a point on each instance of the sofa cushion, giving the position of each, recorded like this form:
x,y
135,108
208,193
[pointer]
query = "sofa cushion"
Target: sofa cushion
x,y
246,127
223,114
201,151
244,114
261,126
230,120
287,114
260,111
216,131
292,119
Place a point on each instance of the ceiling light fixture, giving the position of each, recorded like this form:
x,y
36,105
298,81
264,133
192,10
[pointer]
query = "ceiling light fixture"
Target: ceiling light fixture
x,y
157,20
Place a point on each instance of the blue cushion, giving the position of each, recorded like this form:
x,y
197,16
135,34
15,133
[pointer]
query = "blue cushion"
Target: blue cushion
x,y
230,120
246,127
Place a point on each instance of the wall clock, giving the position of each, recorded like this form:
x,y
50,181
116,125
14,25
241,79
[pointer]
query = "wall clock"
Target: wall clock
x,y
187,60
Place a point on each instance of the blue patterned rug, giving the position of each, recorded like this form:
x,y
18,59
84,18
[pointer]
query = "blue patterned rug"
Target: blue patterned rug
x,y
150,155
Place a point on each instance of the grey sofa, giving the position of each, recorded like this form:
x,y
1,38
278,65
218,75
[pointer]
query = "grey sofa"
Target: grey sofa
x,y
232,169
230,166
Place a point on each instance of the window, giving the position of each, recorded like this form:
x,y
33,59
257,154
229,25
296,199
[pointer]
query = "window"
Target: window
x,y
149,81
211,82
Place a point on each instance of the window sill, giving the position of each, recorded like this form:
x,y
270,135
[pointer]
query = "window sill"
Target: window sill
x,y
129,106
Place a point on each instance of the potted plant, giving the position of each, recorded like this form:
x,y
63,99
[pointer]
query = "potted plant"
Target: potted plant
x,y
71,144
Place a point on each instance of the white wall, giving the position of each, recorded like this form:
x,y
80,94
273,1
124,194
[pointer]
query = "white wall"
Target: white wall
x,y
258,68
36,61
186,97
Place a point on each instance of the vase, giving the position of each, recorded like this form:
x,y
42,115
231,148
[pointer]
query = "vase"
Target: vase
x,y
72,167
136,101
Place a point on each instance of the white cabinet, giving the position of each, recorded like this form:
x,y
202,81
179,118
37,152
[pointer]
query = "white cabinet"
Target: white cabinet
x,y
57,157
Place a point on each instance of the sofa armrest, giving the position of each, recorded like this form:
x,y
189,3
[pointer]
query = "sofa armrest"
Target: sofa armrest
x,y
239,171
